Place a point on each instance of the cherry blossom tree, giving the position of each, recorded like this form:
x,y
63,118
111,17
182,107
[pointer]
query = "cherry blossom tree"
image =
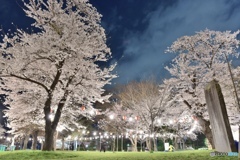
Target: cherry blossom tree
x,y
201,58
133,116
148,100
182,124
120,119
59,61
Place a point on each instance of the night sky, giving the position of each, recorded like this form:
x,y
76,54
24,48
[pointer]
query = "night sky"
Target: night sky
x,y
139,31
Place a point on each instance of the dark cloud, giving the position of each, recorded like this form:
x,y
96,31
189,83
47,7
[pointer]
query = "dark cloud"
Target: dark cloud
x,y
143,52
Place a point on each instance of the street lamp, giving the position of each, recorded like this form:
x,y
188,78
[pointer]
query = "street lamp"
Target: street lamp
x,y
94,135
100,140
130,119
69,139
141,138
111,116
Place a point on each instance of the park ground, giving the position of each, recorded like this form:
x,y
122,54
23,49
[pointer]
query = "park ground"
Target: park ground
x,y
96,155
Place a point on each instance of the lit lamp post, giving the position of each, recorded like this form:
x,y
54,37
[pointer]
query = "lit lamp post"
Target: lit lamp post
x,y
94,134
100,140
122,142
111,118
69,139
141,138
75,143
117,140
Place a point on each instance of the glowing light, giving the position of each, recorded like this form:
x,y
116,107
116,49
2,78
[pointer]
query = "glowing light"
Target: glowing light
x,y
130,119
111,116
51,117
126,134
91,112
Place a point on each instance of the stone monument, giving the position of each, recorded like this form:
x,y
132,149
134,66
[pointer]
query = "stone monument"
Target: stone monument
x,y
222,134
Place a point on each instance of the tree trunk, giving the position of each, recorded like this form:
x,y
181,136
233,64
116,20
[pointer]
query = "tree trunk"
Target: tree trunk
x,y
55,140
26,139
50,127
49,138
63,142
155,144
22,142
35,135
134,144
151,144
206,130
176,143
183,146
117,143
113,145
148,144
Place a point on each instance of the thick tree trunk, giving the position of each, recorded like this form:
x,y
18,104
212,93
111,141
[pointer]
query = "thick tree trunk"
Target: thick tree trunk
x,y
176,143
134,144
150,143
208,134
206,130
26,139
205,126
49,138
22,142
184,146
55,140
25,142
50,126
35,135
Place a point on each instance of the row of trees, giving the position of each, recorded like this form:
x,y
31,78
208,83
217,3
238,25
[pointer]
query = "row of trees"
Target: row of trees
x,y
201,58
146,111
52,78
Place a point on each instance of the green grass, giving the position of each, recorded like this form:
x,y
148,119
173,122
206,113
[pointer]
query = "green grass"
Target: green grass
x,y
94,155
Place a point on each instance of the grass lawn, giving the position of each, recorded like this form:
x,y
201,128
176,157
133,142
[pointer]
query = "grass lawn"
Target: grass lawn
x,y
95,155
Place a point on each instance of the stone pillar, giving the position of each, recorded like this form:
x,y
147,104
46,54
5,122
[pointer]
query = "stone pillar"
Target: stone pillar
x,y
222,134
